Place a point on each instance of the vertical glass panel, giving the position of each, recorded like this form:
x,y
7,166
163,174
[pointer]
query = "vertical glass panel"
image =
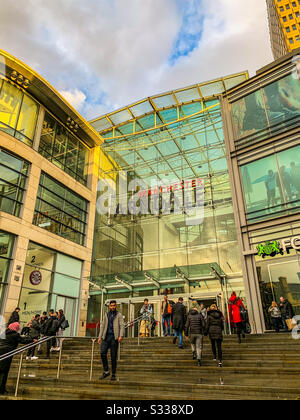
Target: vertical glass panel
x,y
60,146
289,169
47,136
10,101
83,160
27,119
71,155
68,265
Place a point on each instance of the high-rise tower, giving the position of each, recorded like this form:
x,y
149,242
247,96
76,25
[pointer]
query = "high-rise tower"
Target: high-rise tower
x,y
284,25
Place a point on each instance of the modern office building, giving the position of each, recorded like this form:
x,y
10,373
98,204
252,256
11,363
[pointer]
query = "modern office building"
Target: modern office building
x,y
262,136
47,198
284,26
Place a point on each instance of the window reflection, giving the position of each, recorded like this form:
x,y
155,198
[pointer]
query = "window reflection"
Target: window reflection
x,y
18,113
64,150
272,184
267,110
60,211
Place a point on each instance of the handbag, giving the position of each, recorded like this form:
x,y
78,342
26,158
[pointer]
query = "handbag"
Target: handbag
x,y
65,324
289,323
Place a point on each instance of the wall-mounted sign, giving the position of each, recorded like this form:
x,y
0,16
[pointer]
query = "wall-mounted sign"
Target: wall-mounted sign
x,y
35,277
272,248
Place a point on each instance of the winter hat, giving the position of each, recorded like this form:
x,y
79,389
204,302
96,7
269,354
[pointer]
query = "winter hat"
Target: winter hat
x,y
15,326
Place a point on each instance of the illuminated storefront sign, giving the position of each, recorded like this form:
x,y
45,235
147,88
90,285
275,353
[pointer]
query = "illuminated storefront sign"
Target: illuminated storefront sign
x,y
273,248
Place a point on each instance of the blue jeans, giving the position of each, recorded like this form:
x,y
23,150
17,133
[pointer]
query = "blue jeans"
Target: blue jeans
x,y
283,318
168,319
179,333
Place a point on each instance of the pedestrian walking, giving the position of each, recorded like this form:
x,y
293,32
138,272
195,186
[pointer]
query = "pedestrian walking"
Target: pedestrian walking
x,y
236,307
215,327
111,335
195,328
15,317
9,343
34,333
50,330
146,321
43,321
203,310
275,316
287,313
178,317
166,309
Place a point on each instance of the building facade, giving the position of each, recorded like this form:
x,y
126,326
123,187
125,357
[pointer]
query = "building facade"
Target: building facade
x,y
159,155
284,26
47,198
262,137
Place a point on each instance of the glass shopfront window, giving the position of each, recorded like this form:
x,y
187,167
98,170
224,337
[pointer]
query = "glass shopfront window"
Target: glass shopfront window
x,y
63,149
60,210
18,113
279,276
51,281
13,176
6,249
272,185
268,111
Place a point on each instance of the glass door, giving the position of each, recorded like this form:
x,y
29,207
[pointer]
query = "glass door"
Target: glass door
x,y
68,306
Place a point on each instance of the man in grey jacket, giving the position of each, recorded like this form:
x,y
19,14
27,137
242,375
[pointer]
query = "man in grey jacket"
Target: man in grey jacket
x,y
111,334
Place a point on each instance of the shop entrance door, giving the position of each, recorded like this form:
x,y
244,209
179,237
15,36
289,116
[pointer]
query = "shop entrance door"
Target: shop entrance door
x,y
68,306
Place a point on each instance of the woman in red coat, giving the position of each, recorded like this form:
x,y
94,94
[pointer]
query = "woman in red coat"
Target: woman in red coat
x,y
235,316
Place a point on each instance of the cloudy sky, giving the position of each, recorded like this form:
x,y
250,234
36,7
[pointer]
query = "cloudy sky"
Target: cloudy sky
x,y
105,54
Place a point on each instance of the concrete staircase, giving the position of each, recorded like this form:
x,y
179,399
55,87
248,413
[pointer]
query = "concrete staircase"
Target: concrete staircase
x,y
262,367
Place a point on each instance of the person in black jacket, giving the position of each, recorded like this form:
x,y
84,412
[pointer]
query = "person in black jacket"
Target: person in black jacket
x,y
15,317
8,344
50,330
34,333
287,311
215,326
178,321
195,328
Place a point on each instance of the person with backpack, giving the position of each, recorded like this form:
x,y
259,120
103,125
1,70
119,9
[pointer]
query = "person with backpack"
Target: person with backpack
x,y
215,327
236,313
50,330
166,309
195,329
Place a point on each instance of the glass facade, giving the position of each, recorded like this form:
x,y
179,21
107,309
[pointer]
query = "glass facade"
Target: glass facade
x,y
168,163
18,113
268,111
63,149
272,185
58,286
13,177
6,249
60,210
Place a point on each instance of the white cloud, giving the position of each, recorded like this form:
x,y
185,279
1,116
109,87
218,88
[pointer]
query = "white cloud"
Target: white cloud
x,y
75,97
104,54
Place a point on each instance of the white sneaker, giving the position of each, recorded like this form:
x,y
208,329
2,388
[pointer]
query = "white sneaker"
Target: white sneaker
x,y
34,358
28,358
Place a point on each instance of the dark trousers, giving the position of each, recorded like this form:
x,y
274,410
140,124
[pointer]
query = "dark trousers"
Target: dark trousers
x,y
215,342
112,344
276,323
51,343
240,329
3,377
31,352
168,320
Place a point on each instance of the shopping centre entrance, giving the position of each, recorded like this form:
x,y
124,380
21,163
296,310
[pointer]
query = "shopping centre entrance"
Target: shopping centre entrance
x,y
131,307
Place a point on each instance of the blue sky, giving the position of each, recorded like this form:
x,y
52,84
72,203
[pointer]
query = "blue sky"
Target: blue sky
x,y
104,54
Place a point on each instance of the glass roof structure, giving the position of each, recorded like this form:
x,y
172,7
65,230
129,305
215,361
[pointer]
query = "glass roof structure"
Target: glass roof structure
x,y
168,137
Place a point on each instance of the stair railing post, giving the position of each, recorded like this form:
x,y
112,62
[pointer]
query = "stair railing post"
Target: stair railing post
x,y
139,332
59,360
19,374
92,358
